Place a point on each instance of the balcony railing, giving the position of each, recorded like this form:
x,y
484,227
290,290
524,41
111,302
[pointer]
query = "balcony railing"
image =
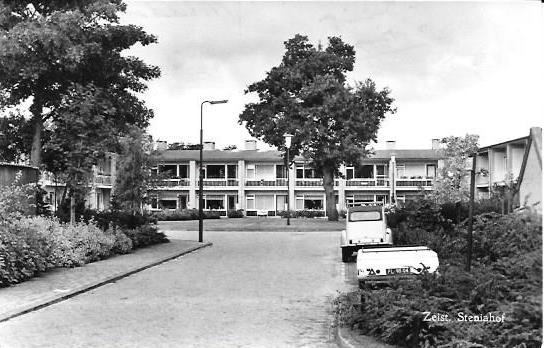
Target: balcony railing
x,y
175,182
368,182
309,182
219,182
415,182
277,182
103,180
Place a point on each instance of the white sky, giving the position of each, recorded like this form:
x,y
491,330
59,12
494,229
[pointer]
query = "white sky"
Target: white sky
x,y
453,68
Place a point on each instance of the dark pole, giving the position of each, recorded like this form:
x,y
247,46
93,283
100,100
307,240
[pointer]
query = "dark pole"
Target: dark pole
x,y
288,191
200,185
471,212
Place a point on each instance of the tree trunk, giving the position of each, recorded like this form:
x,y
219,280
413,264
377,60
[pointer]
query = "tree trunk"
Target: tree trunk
x,y
72,209
37,124
328,185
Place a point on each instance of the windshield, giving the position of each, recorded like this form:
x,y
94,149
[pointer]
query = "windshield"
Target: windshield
x,y
365,216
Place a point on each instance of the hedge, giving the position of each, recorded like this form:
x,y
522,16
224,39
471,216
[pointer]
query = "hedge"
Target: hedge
x,y
32,245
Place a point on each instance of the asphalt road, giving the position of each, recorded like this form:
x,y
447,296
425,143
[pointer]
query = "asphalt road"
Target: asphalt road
x,y
251,289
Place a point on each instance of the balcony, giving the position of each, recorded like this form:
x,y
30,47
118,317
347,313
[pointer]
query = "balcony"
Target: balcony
x,y
370,182
277,182
219,182
415,182
175,182
309,182
101,179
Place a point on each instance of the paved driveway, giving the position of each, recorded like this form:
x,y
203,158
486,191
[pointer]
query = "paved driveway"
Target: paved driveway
x,y
251,289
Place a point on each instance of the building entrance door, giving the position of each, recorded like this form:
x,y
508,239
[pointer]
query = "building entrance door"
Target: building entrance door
x,y
232,202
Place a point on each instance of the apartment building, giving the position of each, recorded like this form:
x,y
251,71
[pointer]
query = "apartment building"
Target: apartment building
x,y
257,181
516,163
100,189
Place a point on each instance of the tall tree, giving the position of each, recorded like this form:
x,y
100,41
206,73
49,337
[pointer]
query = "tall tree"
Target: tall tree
x,y
52,50
307,95
134,172
452,183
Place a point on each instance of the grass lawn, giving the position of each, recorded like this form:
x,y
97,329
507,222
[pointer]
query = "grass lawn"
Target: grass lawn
x,y
255,224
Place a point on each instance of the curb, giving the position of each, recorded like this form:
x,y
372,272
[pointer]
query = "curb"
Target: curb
x,y
341,340
95,284
344,339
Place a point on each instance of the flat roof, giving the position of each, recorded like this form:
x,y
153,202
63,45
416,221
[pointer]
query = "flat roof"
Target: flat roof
x,y
277,156
520,141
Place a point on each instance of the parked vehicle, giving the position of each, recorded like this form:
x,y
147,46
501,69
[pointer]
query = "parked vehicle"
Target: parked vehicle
x,y
365,226
378,261
381,265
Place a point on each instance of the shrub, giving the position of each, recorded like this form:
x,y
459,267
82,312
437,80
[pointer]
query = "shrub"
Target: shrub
x,y
506,278
185,214
81,243
122,244
145,235
301,213
285,213
19,261
17,199
116,218
235,213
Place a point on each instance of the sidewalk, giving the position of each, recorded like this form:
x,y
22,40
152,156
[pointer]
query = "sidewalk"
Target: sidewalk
x,y
60,284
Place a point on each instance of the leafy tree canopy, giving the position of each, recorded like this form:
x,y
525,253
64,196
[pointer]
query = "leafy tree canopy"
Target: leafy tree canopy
x,y
51,51
452,184
307,96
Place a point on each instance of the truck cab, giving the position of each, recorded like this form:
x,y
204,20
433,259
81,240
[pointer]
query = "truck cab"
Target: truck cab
x,y
366,226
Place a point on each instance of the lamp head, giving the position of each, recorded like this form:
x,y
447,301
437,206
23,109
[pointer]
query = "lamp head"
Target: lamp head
x,y
218,101
288,137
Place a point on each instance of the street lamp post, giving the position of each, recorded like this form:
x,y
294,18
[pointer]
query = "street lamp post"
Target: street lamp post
x,y
288,162
201,174
471,212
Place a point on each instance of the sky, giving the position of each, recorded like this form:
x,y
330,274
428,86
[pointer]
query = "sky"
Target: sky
x,y
452,67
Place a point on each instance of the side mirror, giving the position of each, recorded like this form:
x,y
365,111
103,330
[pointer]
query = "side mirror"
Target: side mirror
x,y
388,231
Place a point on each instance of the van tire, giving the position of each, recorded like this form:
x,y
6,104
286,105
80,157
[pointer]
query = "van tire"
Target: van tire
x,y
346,254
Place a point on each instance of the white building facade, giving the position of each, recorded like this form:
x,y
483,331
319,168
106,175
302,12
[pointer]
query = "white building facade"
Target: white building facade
x,y
257,181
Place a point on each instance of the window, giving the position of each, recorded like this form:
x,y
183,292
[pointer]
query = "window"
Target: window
x,y
214,202
313,202
299,205
349,173
215,171
381,170
183,171
169,170
232,171
264,202
356,200
281,171
250,171
365,172
365,216
154,203
306,172
281,202
381,199
168,204
400,170
250,202
431,170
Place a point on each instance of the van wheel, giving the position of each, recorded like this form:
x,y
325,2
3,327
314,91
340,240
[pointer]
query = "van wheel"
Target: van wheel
x,y
346,254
